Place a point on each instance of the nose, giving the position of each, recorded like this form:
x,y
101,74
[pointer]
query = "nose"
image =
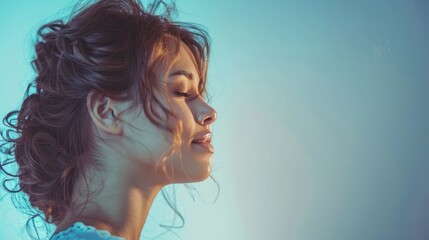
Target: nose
x,y
208,116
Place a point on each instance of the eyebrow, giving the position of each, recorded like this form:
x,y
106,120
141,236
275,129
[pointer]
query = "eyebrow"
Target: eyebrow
x,y
185,73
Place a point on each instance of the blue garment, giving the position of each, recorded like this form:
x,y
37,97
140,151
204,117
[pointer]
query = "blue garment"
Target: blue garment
x,y
81,231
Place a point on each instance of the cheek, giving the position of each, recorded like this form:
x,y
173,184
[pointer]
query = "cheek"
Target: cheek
x,y
143,140
183,113
148,144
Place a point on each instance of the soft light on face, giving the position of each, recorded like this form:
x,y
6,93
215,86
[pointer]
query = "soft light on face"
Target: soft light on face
x,y
191,162
195,114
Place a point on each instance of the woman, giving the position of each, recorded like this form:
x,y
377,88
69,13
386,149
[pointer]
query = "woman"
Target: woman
x,y
118,113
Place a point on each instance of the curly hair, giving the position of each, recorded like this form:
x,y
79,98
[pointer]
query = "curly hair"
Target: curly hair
x,y
111,46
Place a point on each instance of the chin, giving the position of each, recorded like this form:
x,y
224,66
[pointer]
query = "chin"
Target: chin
x,y
202,177
198,175
192,170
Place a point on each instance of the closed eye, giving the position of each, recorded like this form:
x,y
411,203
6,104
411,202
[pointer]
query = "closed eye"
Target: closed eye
x,y
182,94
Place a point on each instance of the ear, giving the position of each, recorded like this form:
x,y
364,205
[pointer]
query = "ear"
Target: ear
x,y
101,109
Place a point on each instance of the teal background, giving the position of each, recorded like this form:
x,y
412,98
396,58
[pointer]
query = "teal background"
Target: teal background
x,y
323,112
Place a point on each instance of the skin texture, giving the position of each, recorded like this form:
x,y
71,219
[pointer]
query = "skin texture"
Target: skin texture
x,y
123,192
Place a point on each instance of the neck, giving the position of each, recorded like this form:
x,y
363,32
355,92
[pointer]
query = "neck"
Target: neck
x,y
120,206
121,221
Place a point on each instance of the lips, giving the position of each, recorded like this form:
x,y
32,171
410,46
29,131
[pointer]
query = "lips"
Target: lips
x,y
204,140
204,137
206,145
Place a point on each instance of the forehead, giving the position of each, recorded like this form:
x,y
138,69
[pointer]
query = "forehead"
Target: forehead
x,y
179,66
185,61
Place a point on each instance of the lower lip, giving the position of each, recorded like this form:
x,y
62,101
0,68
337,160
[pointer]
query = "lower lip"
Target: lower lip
x,y
205,145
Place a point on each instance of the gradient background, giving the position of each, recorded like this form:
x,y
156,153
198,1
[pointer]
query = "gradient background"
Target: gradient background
x,y
323,112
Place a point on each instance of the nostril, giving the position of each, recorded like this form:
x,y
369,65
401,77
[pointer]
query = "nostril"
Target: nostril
x,y
208,120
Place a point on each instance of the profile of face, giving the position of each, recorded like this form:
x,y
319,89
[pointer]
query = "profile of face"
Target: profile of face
x,y
144,144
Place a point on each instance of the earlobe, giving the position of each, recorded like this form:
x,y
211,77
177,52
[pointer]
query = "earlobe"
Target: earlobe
x,y
98,107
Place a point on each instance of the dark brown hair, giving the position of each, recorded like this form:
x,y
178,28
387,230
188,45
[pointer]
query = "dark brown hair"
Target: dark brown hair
x,y
111,46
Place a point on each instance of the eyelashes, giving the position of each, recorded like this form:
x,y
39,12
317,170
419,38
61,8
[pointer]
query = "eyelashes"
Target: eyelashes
x,y
182,94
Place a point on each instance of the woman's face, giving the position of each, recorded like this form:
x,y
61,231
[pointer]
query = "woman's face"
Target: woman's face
x,y
148,143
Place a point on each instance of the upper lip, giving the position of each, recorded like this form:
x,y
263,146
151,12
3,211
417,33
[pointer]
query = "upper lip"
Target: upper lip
x,y
203,137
